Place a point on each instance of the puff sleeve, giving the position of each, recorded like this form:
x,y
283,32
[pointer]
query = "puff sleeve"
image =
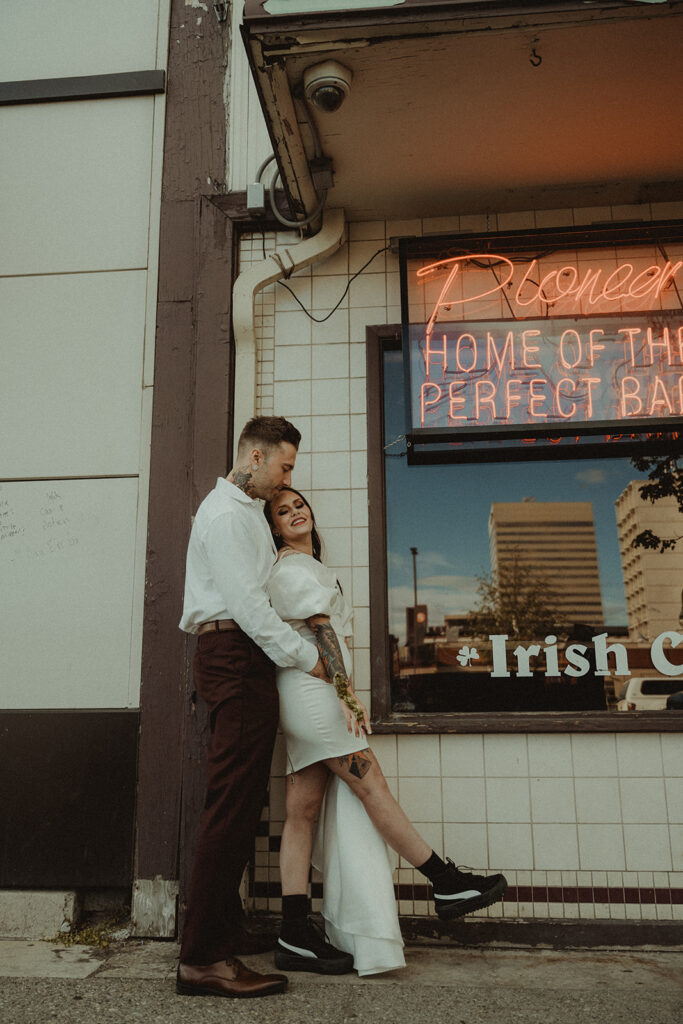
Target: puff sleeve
x,y
297,592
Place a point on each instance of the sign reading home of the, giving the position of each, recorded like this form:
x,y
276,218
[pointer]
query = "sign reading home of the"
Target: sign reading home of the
x,y
575,346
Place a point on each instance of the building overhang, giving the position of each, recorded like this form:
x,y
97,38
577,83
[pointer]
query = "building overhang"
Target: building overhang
x,y
467,107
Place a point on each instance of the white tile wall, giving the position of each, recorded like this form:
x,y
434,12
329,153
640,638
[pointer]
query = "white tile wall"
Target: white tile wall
x,y
555,846
590,810
506,755
597,800
601,846
508,799
418,756
643,800
552,800
462,756
550,756
464,800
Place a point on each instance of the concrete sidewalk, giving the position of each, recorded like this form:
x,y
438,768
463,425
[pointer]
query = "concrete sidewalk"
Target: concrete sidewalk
x,y
133,982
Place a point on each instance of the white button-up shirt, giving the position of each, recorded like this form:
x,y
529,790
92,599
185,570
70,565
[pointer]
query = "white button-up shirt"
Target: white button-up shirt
x,y
229,558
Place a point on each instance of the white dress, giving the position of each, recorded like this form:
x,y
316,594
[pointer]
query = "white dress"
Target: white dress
x,y
359,905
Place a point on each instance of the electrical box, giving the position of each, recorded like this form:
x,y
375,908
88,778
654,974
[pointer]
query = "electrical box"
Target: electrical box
x,y
256,199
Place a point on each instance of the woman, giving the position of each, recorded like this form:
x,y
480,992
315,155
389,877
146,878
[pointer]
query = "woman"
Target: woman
x,y
325,726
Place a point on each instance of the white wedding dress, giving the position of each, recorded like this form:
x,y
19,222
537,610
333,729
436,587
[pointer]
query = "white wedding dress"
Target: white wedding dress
x,y
359,906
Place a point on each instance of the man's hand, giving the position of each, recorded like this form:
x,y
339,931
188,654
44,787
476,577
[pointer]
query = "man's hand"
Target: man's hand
x,y
318,671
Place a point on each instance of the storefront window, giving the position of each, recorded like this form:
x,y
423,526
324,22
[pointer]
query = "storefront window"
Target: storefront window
x,y
528,575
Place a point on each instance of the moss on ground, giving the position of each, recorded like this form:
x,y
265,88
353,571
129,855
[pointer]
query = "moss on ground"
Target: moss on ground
x,y
94,933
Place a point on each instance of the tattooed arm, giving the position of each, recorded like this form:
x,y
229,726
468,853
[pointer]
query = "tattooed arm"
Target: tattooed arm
x,y
355,712
328,646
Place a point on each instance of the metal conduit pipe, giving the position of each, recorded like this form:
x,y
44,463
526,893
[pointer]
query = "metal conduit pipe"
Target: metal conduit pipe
x,y
280,264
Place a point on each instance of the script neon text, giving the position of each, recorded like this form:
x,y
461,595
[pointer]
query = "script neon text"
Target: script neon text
x,y
584,287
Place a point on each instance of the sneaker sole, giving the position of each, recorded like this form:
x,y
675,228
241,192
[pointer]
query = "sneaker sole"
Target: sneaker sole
x,y
292,962
458,908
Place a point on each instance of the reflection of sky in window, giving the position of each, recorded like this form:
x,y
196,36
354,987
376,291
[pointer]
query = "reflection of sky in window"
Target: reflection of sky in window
x,y
443,511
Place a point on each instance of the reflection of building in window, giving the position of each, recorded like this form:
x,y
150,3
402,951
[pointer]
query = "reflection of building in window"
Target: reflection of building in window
x,y
555,540
652,579
456,626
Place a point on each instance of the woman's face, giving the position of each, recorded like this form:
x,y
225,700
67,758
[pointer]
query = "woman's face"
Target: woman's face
x,y
292,517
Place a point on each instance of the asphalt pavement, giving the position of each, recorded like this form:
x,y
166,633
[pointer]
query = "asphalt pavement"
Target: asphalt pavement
x,y
133,982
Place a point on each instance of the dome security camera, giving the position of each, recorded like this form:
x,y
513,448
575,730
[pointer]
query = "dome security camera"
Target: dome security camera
x,y
327,85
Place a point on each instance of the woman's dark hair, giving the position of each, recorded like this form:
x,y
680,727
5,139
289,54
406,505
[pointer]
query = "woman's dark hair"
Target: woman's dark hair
x,y
315,536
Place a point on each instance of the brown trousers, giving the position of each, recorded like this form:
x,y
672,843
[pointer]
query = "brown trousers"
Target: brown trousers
x,y
237,681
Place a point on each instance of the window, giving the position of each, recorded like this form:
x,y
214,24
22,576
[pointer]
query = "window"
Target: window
x,y
506,591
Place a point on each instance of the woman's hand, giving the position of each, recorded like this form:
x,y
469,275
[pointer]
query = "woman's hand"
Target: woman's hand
x,y
356,715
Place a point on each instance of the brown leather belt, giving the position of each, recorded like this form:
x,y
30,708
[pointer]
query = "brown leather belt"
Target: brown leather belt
x,y
217,626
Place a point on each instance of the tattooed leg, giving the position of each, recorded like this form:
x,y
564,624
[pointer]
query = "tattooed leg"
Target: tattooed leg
x,y
383,810
358,764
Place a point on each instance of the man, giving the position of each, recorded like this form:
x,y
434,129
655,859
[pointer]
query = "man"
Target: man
x,y
240,640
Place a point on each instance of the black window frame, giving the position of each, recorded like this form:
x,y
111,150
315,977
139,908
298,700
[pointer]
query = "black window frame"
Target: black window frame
x,y
384,719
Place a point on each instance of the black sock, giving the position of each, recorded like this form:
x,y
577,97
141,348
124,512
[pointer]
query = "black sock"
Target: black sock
x,y
433,867
294,925
295,908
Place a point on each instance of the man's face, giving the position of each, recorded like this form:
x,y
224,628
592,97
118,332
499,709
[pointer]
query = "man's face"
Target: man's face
x,y
275,471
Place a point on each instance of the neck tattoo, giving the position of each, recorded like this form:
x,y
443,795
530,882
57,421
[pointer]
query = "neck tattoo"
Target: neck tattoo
x,y
243,479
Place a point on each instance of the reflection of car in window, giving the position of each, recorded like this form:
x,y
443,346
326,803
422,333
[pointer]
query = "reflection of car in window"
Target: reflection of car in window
x,y
649,694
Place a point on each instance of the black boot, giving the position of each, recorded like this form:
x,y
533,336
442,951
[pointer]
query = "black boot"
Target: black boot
x,y
457,892
302,945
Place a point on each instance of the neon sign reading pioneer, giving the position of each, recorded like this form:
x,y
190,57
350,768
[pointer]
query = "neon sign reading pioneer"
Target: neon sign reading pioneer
x,y
571,344
593,286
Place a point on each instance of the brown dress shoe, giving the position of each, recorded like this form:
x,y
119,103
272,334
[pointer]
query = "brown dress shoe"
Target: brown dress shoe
x,y
226,978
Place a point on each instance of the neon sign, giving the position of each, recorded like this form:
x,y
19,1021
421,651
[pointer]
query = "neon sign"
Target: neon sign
x,y
496,345
560,371
589,285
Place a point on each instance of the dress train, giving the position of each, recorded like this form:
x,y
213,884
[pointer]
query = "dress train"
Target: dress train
x,y
359,905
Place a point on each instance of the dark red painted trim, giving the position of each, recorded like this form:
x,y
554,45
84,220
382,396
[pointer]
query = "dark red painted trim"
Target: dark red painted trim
x,y
525,894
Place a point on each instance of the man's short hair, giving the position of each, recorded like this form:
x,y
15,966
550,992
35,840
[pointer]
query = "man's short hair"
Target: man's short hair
x,y
268,432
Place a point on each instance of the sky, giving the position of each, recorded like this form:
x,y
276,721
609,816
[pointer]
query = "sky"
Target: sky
x,y
443,511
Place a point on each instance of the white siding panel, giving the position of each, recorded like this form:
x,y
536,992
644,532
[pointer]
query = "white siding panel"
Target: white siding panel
x,y
71,386
64,38
66,565
138,609
75,186
248,140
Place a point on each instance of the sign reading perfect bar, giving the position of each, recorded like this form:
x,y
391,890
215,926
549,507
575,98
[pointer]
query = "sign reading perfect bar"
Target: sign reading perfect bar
x,y
514,344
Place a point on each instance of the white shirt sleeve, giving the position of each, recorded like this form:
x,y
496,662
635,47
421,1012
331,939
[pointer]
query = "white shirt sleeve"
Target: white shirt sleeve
x,y
233,555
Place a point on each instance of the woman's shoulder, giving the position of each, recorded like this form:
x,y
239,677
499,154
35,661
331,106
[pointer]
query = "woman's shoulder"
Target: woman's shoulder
x,y
286,552
291,562
297,564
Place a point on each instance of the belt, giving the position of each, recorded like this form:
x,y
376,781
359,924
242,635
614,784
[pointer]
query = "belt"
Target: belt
x,y
217,626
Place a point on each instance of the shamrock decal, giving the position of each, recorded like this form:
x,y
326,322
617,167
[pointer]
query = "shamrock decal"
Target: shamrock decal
x,y
466,655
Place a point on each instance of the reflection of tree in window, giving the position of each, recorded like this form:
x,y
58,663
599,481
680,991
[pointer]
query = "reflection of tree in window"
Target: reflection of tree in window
x,y
516,600
665,480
